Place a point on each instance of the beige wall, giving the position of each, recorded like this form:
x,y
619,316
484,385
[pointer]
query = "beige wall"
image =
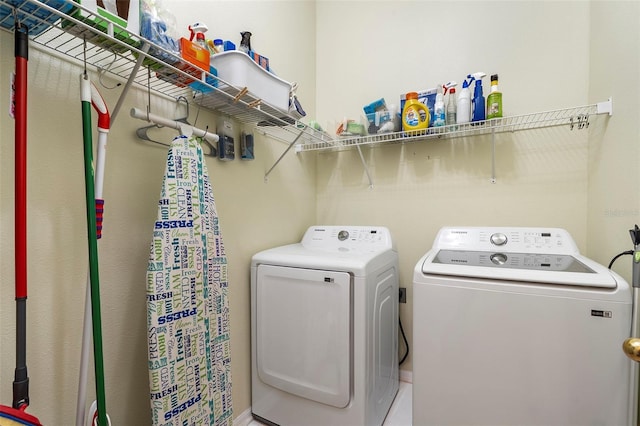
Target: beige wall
x,y
540,51
614,196
254,215
549,55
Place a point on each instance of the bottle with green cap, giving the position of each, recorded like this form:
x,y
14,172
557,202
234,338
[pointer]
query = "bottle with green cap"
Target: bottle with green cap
x,y
494,100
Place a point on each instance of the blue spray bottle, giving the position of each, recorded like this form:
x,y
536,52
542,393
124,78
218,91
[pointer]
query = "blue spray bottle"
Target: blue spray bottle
x,y
478,112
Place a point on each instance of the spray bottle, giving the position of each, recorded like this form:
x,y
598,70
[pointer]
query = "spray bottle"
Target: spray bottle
x,y
198,29
463,114
245,42
477,104
451,104
438,108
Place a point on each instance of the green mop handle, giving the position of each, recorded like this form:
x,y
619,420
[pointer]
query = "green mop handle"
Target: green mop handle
x,y
85,89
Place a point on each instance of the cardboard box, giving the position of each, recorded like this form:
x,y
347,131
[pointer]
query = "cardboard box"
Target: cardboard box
x,y
263,61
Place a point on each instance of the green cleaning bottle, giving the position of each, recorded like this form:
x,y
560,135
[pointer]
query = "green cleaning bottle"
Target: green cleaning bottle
x,y
494,100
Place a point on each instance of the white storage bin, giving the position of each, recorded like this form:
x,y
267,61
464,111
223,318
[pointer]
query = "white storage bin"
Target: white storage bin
x,y
238,69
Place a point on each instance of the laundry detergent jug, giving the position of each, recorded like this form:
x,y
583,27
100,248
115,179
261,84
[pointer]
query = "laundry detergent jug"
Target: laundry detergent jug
x,y
415,115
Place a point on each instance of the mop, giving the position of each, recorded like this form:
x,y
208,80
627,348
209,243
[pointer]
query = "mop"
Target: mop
x,y
187,301
16,414
94,278
104,122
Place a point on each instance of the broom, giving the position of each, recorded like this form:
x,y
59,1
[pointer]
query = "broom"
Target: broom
x,y
16,415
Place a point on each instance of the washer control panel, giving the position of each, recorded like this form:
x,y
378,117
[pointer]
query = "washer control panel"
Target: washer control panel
x,y
528,261
518,240
347,238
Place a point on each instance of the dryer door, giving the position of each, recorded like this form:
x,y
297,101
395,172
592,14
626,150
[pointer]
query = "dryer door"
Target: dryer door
x,y
303,324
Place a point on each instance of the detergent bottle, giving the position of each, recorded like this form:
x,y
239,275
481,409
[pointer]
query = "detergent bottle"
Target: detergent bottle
x,y
451,103
438,108
415,115
198,29
477,104
463,114
494,100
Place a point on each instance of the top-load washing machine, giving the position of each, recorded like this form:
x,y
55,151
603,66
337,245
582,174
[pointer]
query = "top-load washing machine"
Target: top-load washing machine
x,y
324,339
512,326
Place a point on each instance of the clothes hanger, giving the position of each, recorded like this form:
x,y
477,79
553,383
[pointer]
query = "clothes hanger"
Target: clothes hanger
x,y
181,124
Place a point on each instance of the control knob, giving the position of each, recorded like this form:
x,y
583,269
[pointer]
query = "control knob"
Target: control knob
x,y
498,239
498,258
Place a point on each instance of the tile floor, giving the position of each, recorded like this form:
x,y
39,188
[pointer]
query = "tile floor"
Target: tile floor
x,y
400,412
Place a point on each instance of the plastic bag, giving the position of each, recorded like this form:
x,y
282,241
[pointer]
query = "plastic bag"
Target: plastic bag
x,y
158,25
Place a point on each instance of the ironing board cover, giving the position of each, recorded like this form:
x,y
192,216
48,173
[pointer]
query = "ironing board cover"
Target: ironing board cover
x,y
187,301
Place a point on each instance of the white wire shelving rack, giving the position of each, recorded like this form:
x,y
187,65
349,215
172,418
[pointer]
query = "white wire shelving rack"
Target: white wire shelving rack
x,y
573,118
116,52
108,48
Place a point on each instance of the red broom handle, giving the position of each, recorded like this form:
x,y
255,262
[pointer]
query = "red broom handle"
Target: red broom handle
x,y
21,378
21,167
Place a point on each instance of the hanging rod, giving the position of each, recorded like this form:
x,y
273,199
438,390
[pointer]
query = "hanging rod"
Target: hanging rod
x,y
173,124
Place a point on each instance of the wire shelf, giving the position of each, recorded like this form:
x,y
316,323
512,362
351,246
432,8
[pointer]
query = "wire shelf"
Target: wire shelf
x,y
116,52
576,117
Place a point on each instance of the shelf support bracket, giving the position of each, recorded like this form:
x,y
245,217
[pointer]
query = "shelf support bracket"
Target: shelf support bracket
x,y
364,164
493,156
605,107
134,72
266,175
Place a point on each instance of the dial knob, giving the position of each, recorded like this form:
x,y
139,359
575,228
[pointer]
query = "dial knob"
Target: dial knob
x,y
498,239
343,235
498,258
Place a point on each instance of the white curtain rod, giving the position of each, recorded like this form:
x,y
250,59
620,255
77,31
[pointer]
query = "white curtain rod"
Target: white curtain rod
x,y
182,127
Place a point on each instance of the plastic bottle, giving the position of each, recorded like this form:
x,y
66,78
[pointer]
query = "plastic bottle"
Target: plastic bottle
x,y
413,113
215,46
245,43
198,29
463,114
451,102
494,100
218,45
478,103
438,108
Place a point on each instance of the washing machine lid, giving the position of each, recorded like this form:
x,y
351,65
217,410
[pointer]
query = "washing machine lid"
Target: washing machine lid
x,y
546,255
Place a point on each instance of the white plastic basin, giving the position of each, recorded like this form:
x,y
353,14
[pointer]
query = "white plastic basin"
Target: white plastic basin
x,y
238,69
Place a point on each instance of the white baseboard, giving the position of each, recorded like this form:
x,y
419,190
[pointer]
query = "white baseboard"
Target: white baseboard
x,y
406,376
244,418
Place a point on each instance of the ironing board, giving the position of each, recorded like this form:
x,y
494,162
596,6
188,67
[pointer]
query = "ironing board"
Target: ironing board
x,y
187,300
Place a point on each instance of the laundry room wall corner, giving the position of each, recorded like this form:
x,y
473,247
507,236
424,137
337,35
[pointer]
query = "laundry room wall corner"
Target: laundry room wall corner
x,y
614,152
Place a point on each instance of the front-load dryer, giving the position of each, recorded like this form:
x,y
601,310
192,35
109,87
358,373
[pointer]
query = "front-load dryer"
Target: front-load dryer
x,y
513,326
324,328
